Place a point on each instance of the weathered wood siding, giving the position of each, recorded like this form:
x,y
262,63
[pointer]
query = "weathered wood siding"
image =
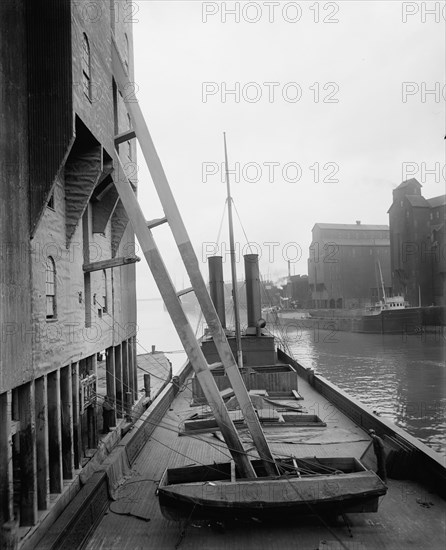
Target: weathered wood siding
x,y
15,283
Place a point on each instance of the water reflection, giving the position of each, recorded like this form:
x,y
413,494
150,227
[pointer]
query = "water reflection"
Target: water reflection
x,y
401,378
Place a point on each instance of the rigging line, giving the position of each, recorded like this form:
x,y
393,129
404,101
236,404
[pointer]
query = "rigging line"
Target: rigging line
x,y
243,229
221,222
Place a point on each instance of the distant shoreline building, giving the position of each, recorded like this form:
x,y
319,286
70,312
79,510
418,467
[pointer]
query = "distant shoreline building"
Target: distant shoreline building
x,y
417,239
67,282
345,262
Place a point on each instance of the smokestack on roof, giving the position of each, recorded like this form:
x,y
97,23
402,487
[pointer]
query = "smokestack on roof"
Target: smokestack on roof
x,y
253,300
217,287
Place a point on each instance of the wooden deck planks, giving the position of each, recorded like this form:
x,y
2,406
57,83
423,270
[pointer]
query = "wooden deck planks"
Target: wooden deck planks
x,y
402,522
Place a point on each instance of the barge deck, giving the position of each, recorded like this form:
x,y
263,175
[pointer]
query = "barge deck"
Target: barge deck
x,y
409,515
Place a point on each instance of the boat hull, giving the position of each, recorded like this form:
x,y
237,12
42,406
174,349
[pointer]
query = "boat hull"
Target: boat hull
x,y
404,321
208,493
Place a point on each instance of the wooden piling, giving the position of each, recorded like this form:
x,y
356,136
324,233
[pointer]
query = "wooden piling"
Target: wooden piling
x,y
28,477
111,383
66,395
43,473
54,432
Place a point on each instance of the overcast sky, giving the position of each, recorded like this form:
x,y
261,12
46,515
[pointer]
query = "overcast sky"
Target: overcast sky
x,y
332,99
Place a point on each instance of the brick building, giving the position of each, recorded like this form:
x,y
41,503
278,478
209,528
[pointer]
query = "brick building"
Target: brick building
x,y
417,239
67,287
343,267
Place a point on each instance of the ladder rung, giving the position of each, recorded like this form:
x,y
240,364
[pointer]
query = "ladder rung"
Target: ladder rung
x,y
154,223
125,136
185,291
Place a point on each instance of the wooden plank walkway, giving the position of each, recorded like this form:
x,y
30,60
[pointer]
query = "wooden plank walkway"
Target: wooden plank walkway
x,y
408,517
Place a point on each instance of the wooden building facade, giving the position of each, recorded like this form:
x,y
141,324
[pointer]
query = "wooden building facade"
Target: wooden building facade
x,y
67,251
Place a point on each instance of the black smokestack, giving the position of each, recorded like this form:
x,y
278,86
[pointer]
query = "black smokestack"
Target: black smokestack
x,y
253,301
217,287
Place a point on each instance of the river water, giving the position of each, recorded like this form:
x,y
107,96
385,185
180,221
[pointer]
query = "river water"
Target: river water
x,y
403,379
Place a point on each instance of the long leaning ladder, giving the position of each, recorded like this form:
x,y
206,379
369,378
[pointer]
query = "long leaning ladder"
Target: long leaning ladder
x,y
170,296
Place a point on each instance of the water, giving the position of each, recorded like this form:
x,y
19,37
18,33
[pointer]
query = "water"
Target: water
x,y
402,379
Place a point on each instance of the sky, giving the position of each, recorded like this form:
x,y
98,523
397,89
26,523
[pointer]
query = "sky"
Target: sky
x,y
327,107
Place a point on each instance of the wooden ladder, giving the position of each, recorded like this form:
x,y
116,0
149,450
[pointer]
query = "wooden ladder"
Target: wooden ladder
x,y
170,296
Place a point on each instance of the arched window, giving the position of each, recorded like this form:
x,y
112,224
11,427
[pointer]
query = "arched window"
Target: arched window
x,y
86,67
104,291
50,288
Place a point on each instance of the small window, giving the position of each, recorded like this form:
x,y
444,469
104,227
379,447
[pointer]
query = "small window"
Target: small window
x,y
50,288
86,67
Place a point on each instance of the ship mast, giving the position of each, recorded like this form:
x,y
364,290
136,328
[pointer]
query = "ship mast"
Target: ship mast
x,y
238,337
382,282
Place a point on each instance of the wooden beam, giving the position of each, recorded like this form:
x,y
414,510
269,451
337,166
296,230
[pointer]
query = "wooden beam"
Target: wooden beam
x,y
108,264
82,172
182,325
119,221
155,223
104,207
125,136
189,258
185,291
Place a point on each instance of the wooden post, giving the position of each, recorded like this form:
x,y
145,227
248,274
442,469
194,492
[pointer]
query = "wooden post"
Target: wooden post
x,y
6,473
147,384
9,536
43,472
28,478
110,382
77,441
131,369
92,362
118,379
135,366
66,396
128,403
54,432
125,373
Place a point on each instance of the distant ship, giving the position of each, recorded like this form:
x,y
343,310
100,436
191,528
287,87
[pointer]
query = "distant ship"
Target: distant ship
x,y
390,315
